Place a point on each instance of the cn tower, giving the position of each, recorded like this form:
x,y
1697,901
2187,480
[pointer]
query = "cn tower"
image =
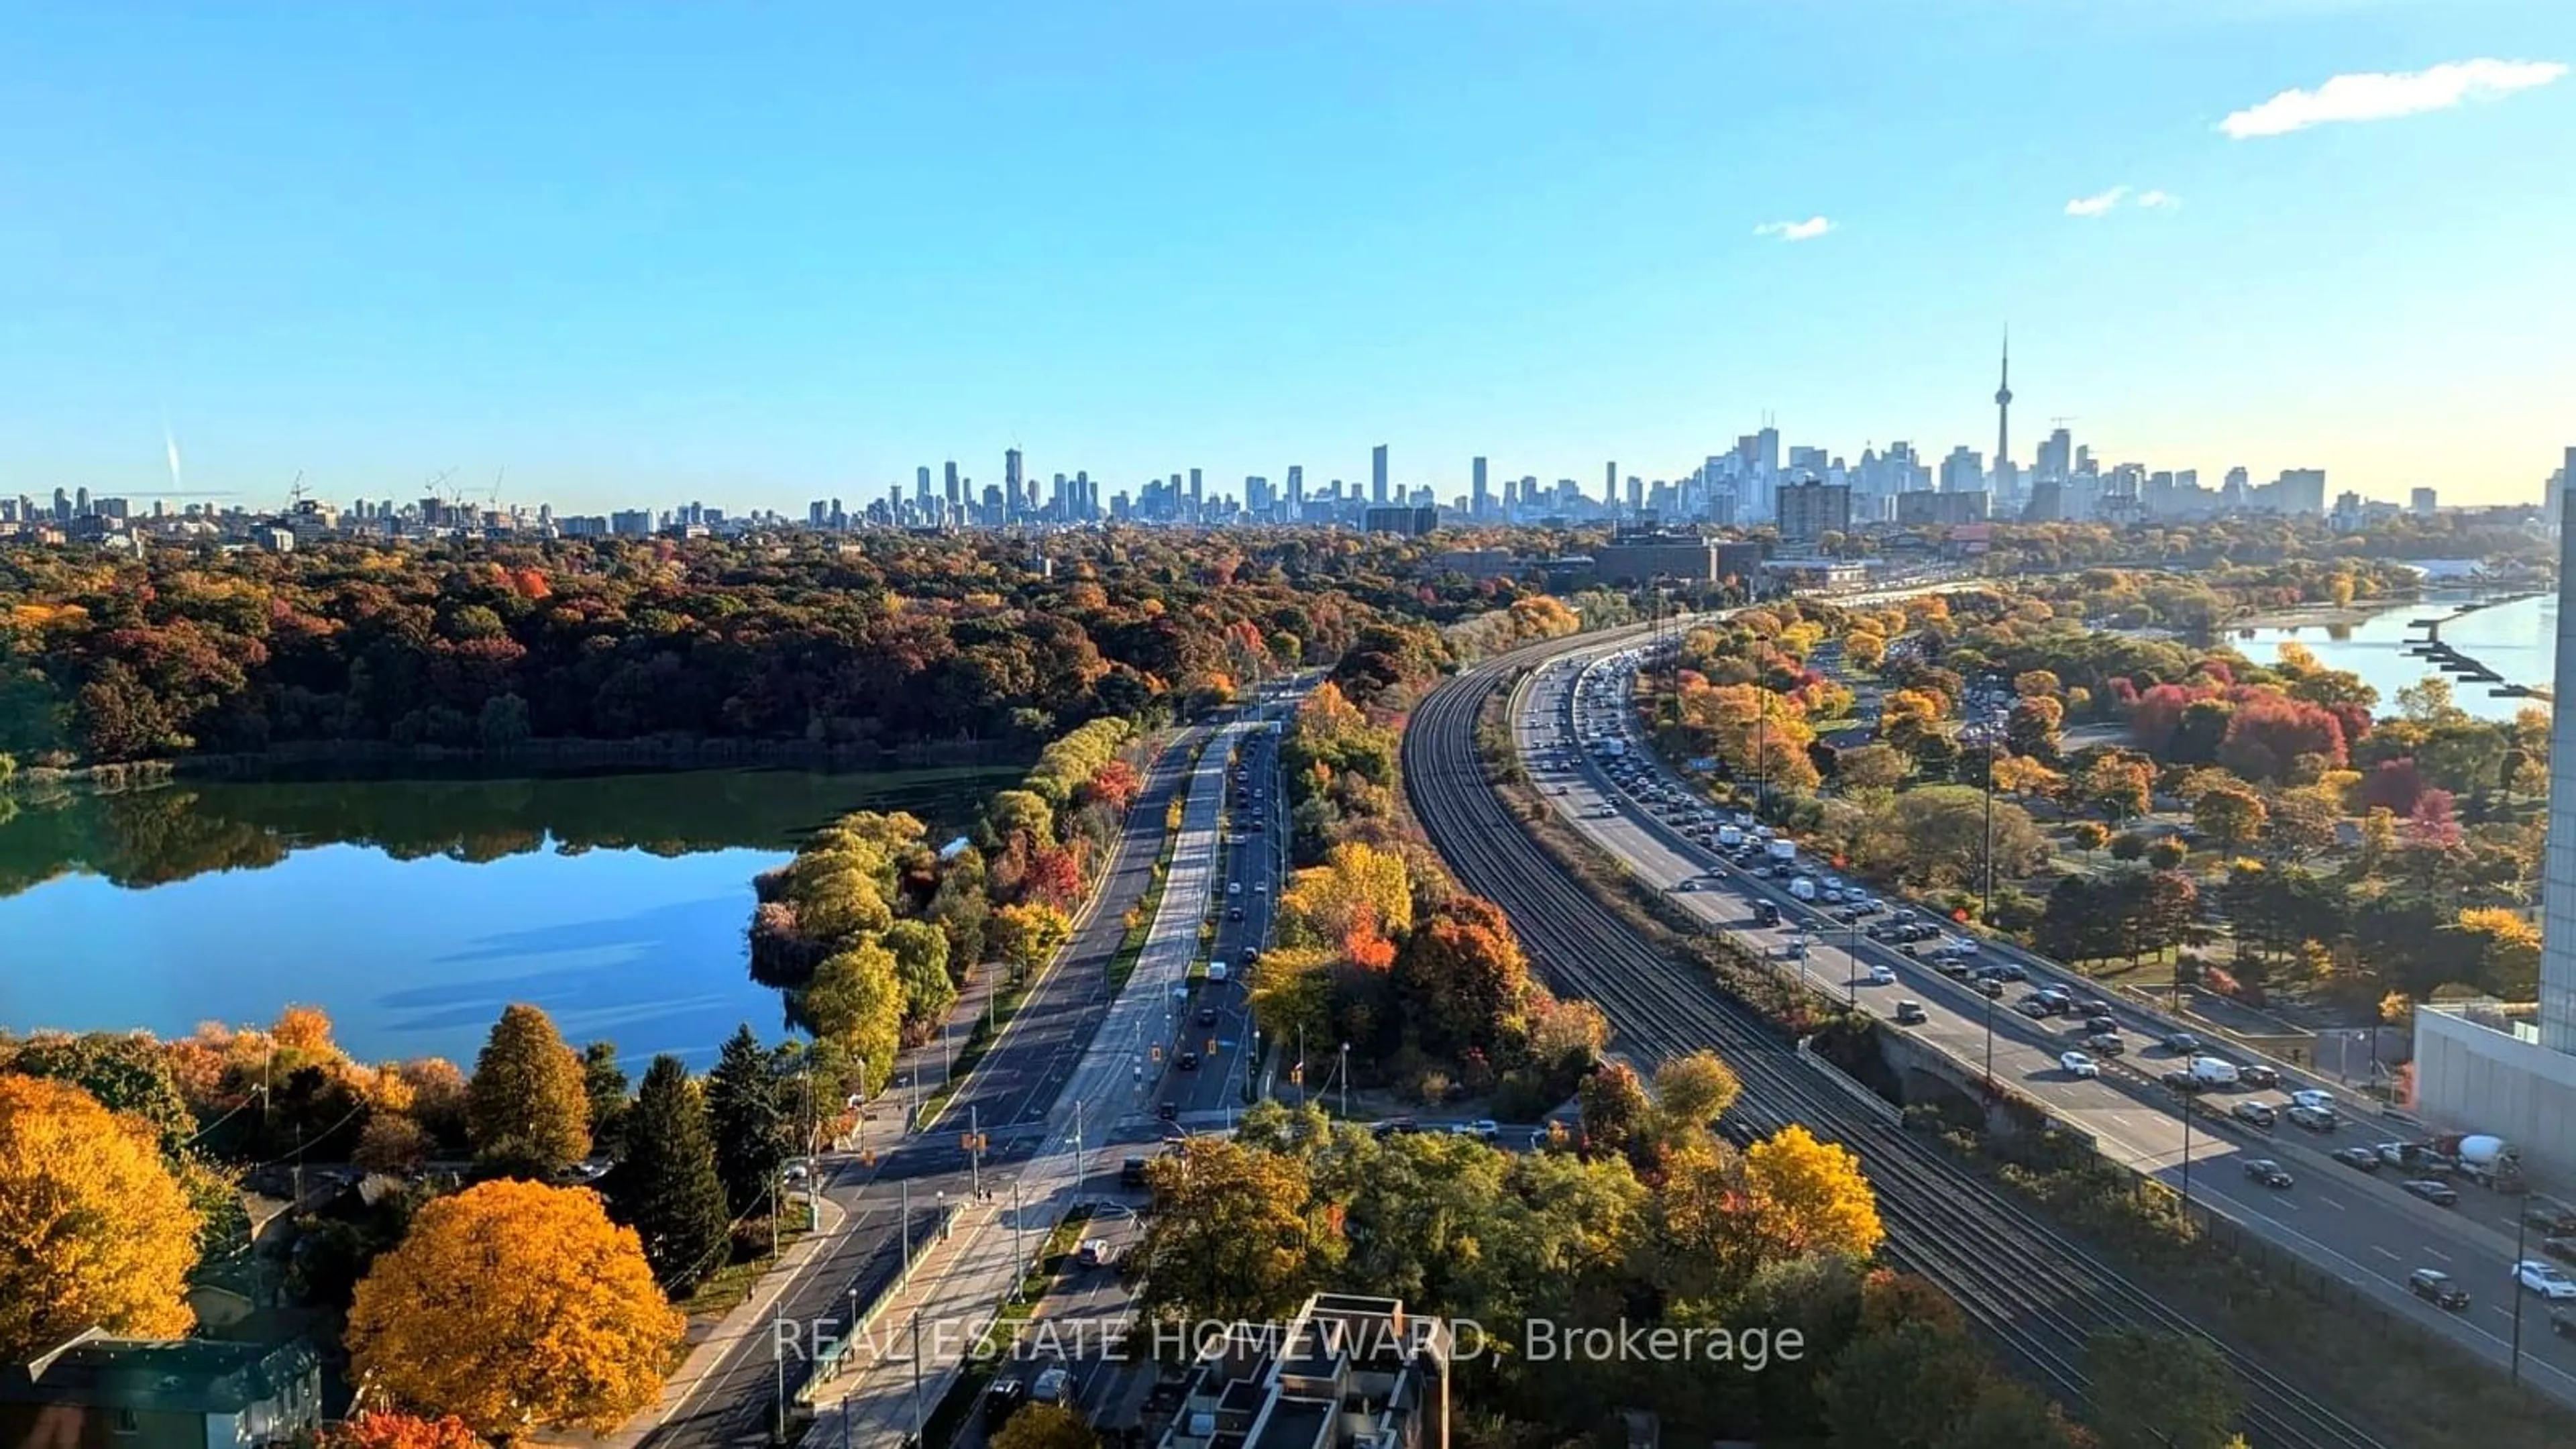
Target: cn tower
x,y
2003,410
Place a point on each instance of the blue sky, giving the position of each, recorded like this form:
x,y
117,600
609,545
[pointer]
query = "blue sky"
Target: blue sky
x,y
636,253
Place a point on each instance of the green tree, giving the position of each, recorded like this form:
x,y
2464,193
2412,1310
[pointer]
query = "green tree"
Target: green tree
x,y
1230,1236
921,965
603,1081
2160,1390
526,1110
1028,935
1911,1385
1694,1091
666,1187
857,1000
747,1105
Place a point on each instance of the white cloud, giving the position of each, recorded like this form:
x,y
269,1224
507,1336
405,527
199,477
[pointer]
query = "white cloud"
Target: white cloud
x,y
2382,96
2158,200
2097,203
1796,231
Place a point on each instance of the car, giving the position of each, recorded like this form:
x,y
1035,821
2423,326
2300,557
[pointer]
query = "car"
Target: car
x,y
1096,1253
1909,1013
1483,1129
2549,1217
2097,1023
2267,1172
2317,1119
1187,1061
2185,1082
2546,1279
1990,988
2311,1097
1260,887
2258,1076
2360,1159
1686,887
1207,1016
2008,970
1170,1111
2093,1006
1131,1172
1881,976
2436,1287
1002,1399
2105,1044
2434,1191
2077,1064
2181,1041
2254,1114
1234,913
1234,887
1395,1126
2035,1007
1054,1386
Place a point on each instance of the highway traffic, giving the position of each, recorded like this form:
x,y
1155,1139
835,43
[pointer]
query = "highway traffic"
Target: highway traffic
x,y
1574,729
2021,1281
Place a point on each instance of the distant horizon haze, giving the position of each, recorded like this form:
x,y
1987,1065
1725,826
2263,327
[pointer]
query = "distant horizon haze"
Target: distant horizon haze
x,y
634,257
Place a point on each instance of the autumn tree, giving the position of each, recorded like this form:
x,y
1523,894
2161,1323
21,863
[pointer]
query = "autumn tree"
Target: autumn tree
x,y
1615,1108
1463,981
2118,784
1808,1196
527,1110
1028,935
515,1307
1046,1426
2155,1390
666,1187
2499,952
2231,816
98,1232
384,1429
748,1110
1229,1237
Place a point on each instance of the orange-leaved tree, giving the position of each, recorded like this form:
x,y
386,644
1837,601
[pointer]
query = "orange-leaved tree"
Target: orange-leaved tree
x,y
515,1306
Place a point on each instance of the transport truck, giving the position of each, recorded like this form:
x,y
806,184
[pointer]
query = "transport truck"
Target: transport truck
x,y
2485,1158
1781,851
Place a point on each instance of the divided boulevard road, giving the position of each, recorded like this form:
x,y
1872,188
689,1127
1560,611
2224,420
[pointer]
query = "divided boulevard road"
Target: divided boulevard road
x,y
1014,1094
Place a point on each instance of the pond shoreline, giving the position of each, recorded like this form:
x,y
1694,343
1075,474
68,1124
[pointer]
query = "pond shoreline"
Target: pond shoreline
x,y
381,758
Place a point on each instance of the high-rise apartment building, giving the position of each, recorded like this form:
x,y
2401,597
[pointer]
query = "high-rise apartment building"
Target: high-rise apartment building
x,y
1377,475
1963,471
1011,499
1610,484
1480,502
1810,510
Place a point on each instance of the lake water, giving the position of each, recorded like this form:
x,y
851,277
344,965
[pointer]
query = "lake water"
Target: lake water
x,y
413,911
2518,640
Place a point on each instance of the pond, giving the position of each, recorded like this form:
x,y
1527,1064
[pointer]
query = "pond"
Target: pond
x,y
2516,639
413,910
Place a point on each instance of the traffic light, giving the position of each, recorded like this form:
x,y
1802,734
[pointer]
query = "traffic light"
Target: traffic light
x,y
1157,1053
974,1141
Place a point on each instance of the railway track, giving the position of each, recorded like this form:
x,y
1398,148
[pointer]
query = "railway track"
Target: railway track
x,y
2026,1285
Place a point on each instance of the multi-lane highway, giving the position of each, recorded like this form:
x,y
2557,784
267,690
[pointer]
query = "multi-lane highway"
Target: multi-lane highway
x,y
2028,1286
2359,1226
1211,1055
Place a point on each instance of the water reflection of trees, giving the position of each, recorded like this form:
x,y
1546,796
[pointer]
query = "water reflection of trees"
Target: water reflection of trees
x,y
175,831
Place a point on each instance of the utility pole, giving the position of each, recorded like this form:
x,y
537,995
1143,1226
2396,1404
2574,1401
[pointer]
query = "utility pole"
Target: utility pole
x,y
2521,1226
975,1146
2187,1111
1019,1249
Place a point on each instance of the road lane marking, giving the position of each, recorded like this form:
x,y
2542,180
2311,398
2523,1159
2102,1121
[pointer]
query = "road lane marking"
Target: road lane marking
x,y
2383,1252
2437,1253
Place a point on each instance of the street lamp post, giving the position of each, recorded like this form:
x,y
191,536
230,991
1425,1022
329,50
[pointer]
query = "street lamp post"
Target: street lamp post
x,y
1346,1081
1990,1043
2521,1226
2188,1107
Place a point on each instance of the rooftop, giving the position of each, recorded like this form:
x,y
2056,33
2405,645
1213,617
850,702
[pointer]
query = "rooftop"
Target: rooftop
x,y
191,1375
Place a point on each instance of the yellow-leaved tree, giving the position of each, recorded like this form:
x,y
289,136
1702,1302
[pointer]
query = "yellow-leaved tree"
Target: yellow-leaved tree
x,y
94,1231
515,1306
1808,1197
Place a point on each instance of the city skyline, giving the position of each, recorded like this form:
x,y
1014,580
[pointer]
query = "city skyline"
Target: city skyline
x,y
2297,233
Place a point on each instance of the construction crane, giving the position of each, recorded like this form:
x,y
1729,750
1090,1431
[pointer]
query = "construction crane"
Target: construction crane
x,y
295,492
